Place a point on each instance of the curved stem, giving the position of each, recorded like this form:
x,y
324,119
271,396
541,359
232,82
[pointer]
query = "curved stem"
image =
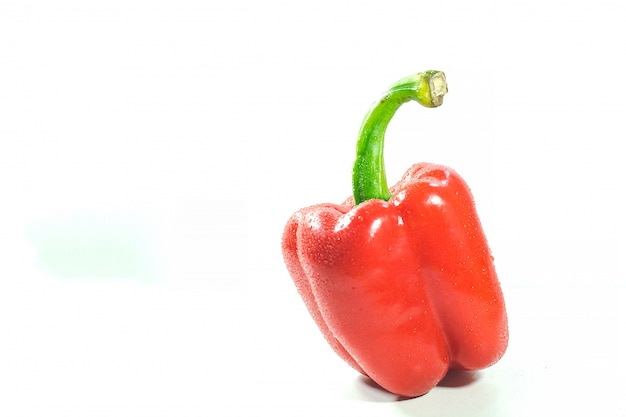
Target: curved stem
x,y
369,180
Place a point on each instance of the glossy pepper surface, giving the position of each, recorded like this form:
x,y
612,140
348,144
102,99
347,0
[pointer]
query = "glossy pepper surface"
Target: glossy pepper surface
x,y
400,281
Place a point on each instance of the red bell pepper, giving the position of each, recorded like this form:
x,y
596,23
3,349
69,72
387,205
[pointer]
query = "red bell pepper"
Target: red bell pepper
x,y
400,281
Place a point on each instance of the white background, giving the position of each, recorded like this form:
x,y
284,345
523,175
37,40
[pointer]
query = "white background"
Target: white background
x,y
151,152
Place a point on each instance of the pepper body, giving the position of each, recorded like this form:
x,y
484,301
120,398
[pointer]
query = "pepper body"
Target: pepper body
x,y
404,289
402,284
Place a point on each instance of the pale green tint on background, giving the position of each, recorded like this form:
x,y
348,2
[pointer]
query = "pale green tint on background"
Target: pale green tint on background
x,y
86,246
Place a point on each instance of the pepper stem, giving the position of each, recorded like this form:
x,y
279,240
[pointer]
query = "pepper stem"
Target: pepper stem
x,y
369,180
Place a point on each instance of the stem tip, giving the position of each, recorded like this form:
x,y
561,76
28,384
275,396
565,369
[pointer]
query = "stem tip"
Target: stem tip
x,y
438,88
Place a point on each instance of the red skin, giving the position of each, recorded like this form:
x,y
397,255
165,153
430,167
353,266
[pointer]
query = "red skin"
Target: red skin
x,y
402,290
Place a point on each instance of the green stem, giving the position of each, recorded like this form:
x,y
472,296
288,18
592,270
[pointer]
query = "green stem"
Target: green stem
x,y
369,180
